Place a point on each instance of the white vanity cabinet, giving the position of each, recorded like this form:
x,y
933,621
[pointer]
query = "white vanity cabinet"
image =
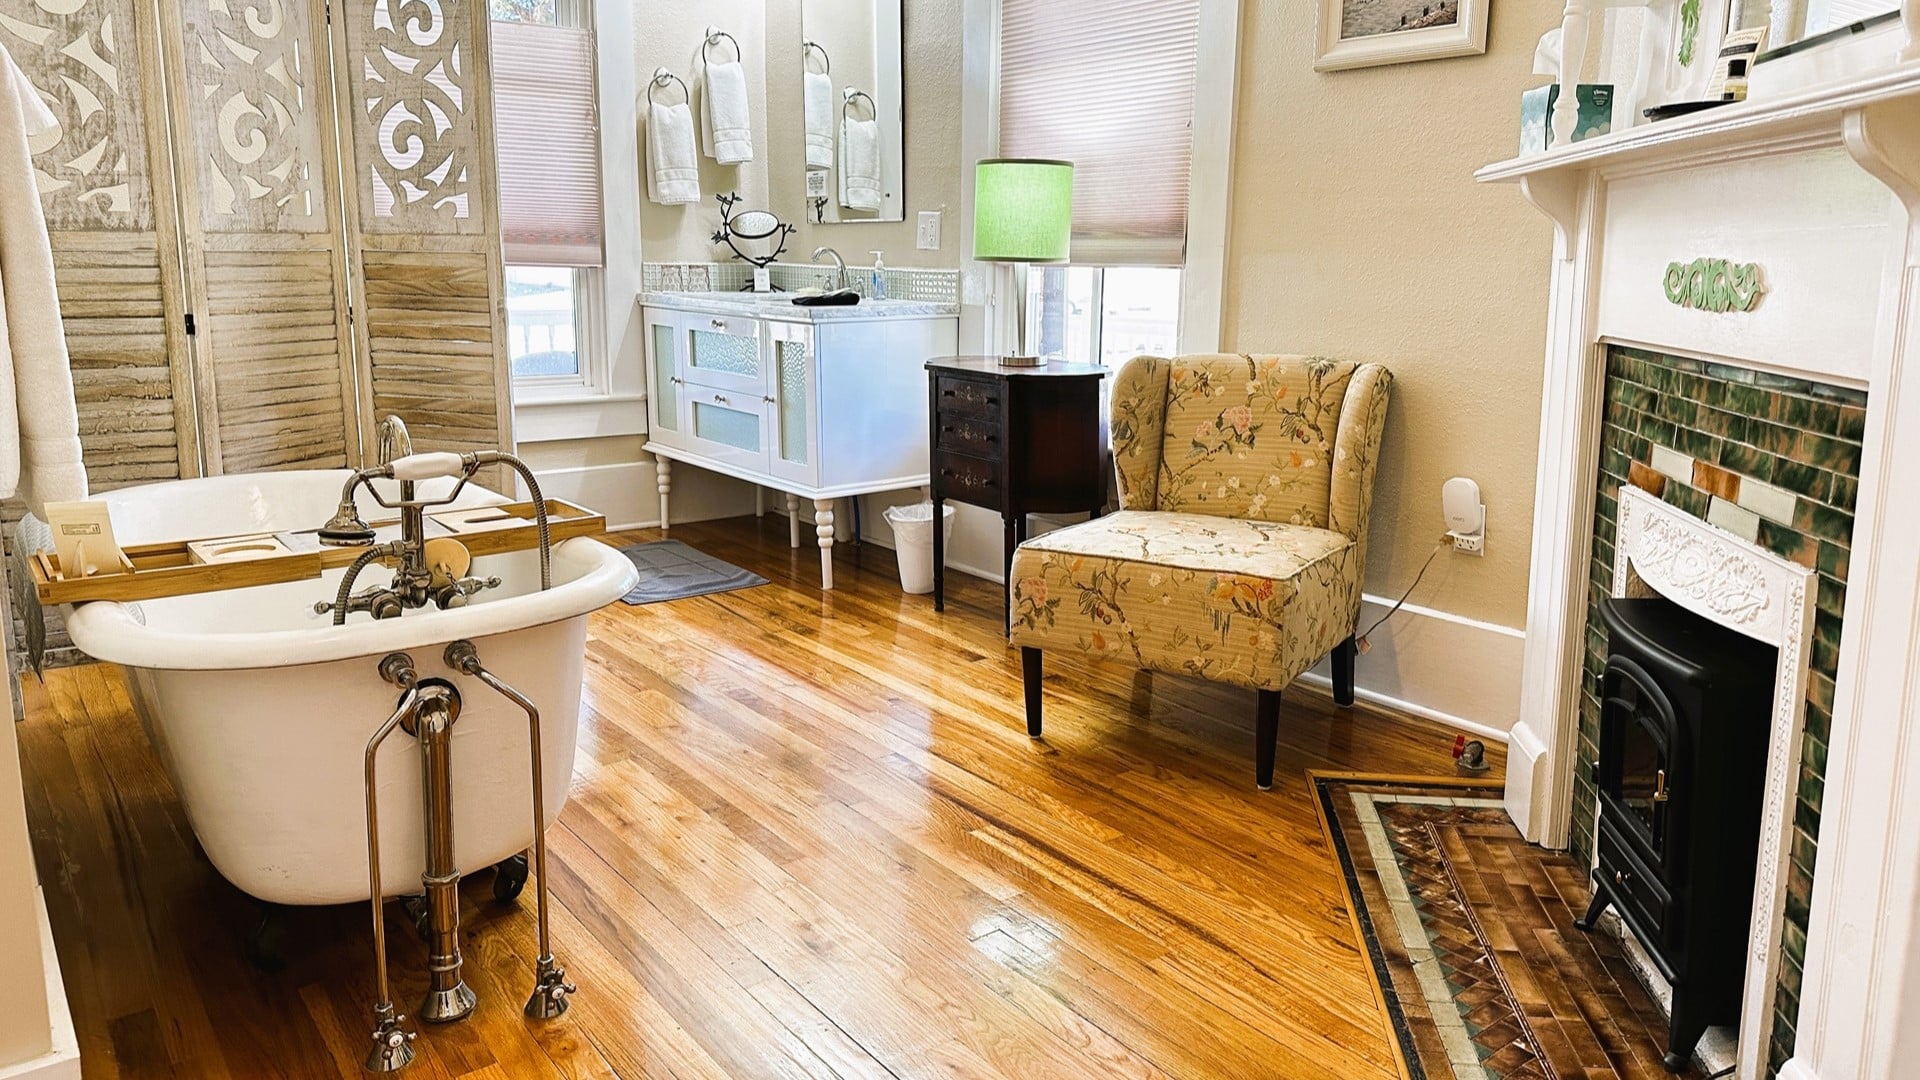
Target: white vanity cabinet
x,y
819,403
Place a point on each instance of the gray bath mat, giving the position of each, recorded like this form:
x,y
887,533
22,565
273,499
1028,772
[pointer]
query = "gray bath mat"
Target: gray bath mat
x,y
670,570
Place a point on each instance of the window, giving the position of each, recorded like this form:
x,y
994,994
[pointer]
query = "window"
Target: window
x,y
1103,315
1113,95
547,125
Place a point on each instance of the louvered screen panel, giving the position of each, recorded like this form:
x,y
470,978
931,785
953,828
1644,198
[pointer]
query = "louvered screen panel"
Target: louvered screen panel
x,y
416,97
112,305
275,368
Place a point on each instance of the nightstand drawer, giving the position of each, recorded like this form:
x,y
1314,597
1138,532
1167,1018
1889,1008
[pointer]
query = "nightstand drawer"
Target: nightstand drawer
x,y
968,479
969,435
971,397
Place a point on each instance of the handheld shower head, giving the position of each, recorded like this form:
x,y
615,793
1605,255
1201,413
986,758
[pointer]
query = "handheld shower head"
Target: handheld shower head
x,y
345,529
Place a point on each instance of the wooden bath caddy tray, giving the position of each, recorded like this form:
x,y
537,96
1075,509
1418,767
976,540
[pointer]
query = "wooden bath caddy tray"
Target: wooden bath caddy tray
x,y
181,567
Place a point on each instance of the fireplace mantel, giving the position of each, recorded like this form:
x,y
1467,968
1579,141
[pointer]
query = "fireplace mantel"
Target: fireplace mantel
x,y
1821,189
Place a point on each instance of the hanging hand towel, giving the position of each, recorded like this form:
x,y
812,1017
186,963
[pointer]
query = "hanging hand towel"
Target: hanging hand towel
x,y
725,126
819,109
860,164
39,424
673,165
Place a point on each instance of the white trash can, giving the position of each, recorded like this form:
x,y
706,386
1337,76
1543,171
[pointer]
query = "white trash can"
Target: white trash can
x,y
913,542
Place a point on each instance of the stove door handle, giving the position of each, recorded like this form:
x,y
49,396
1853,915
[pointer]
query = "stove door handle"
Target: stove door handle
x,y
1660,792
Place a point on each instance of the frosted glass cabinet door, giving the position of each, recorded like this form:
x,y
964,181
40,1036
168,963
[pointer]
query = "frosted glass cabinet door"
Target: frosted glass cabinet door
x,y
727,426
666,390
794,453
724,353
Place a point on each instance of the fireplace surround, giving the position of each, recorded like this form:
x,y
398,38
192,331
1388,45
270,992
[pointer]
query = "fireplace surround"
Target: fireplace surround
x,y
1819,189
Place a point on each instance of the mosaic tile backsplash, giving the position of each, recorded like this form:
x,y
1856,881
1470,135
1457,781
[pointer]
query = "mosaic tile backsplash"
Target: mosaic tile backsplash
x,y
1775,461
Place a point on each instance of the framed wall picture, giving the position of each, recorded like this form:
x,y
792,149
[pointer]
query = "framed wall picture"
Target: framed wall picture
x,y
1365,33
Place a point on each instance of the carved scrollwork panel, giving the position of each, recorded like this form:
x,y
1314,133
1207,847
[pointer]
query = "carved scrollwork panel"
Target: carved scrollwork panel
x,y
416,135
258,110
81,56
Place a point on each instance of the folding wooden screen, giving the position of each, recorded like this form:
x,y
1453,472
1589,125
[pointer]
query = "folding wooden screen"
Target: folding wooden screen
x,y
273,221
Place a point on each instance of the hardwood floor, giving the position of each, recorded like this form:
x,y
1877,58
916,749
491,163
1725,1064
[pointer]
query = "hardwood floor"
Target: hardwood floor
x,y
808,837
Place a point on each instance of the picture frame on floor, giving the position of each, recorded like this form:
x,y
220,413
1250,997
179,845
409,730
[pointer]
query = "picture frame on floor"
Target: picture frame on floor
x,y
1368,33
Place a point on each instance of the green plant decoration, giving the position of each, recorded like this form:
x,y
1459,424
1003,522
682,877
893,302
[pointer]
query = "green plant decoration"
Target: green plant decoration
x,y
1689,30
1714,285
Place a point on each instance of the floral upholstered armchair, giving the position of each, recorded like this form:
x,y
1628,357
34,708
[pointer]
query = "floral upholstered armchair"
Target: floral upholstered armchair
x,y
1242,532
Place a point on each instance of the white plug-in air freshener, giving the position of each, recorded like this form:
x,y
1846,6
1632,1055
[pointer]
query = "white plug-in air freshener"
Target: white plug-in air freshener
x,y
1466,516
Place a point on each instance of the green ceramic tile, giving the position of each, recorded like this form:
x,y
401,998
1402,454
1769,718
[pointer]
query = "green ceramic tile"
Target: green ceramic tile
x,y
1845,493
1773,438
1845,395
1747,461
1813,753
1697,444
1831,597
1731,373
1788,543
1747,400
1812,786
1823,521
1818,415
1834,455
1853,423
1833,560
1819,723
1660,431
1820,692
1806,816
1678,409
1803,479
1793,411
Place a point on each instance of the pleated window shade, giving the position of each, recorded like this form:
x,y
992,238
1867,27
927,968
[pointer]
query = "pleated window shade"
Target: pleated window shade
x,y
547,122
1108,87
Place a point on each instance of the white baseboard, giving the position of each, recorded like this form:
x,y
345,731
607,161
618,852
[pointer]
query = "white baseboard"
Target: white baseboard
x,y
1527,781
1462,672
1797,1069
62,1062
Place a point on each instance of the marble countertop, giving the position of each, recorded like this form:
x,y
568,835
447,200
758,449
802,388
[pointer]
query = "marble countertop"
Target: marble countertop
x,y
780,305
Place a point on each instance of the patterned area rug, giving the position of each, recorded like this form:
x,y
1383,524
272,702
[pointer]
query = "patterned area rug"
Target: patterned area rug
x,y
1469,932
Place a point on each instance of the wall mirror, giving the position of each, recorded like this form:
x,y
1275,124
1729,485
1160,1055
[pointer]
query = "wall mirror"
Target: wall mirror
x,y
850,95
1789,21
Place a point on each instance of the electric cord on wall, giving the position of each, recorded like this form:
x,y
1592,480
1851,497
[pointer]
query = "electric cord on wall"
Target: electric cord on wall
x,y
1361,640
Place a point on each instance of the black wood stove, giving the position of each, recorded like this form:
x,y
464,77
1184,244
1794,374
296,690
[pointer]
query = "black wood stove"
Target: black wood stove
x,y
1683,759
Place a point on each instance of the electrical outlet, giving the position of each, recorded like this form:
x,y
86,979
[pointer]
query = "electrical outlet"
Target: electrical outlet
x,y
927,237
1470,543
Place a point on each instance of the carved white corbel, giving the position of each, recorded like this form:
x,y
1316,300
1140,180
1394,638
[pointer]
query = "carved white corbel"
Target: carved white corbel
x,y
1883,138
1557,195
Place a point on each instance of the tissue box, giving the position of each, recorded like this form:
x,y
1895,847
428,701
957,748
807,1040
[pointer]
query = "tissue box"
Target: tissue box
x,y
1536,113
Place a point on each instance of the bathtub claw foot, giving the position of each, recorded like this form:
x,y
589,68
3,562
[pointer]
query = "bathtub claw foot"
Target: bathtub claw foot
x,y
392,1048
509,877
550,990
262,944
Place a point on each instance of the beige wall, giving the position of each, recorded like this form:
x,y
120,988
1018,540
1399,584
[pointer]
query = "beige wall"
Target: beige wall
x,y
1358,232
670,34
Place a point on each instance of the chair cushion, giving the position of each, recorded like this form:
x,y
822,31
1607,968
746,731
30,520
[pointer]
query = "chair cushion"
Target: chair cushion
x,y
1250,436
1231,599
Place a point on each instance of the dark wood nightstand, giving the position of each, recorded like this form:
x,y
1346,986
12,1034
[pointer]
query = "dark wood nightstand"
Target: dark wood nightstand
x,y
1014,440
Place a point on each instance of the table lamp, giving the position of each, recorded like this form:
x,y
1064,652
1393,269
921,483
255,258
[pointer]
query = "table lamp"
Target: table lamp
x,y
1022,213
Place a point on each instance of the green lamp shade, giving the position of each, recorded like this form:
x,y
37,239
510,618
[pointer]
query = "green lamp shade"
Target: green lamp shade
x,y
1022,210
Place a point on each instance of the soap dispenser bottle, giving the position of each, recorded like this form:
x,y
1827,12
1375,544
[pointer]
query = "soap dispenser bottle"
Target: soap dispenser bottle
x,y
877,283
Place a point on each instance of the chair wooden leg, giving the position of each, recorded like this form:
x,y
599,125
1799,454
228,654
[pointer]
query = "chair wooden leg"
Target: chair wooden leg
x,y
1266,736
1030,678
1343,655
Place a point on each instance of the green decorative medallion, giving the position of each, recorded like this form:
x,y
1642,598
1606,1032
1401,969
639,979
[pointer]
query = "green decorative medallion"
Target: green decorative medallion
x,y
1689,30
1714,285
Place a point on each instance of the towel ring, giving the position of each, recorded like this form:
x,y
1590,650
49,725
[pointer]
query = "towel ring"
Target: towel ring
x,y
826,62
663,77
714,34
853,95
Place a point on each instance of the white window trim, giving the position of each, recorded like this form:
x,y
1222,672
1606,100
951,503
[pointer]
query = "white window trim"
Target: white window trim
x,y
603,399
988,287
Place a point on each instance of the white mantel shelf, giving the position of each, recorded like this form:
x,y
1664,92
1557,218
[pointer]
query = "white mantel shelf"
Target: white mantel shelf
x,y
1798,184
1817,112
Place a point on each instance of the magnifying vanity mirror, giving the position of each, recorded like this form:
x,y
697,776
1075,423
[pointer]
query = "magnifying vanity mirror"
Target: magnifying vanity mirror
x,y
850,95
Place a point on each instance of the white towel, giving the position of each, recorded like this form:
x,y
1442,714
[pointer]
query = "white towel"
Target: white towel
x,y
39,424
860,164
819,109
725,126
673,165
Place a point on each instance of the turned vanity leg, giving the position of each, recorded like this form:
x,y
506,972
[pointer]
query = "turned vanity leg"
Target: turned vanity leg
x,y
759,501
793,521
823,529
663,470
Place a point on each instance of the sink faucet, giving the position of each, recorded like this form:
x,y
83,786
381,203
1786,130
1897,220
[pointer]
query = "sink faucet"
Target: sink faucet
x,y
413,583
839,265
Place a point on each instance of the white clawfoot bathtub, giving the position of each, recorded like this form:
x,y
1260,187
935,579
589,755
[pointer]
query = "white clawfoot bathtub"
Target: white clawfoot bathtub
x,y
261,709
